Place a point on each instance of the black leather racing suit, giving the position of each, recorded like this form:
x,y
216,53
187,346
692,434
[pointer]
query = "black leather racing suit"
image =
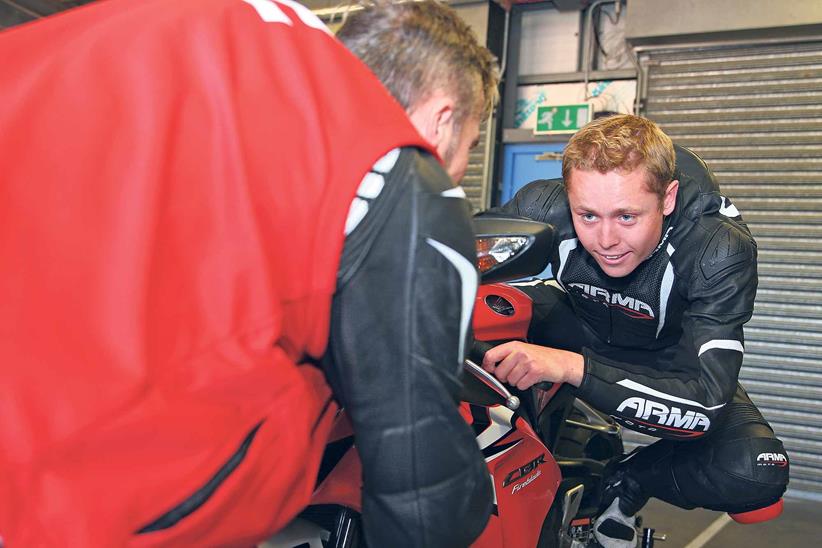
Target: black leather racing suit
x,y
405,292
663,346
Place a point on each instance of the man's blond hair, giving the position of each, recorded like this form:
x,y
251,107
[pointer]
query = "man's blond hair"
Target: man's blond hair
x,y
623,143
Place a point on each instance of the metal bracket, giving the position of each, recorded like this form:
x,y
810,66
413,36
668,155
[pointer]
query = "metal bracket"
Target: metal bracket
x,y
570,507
548,157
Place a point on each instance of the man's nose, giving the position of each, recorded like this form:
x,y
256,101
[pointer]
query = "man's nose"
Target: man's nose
x,y
608,236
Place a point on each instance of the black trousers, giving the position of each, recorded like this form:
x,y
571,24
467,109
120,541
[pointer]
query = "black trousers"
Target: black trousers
x,y
740,466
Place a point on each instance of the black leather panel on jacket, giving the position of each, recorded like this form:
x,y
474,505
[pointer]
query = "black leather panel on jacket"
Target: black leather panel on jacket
x,y
394,363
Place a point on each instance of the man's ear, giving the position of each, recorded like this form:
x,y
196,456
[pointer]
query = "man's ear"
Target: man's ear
x,y
669,200
434,117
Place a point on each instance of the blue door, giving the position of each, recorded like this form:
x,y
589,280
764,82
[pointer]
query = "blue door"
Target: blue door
x,y
526,162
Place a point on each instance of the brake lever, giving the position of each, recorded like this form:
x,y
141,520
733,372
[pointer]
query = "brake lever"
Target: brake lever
x,y
511,401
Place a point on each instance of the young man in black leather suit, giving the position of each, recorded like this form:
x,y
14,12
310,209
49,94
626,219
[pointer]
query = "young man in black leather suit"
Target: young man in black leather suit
x,y
656,275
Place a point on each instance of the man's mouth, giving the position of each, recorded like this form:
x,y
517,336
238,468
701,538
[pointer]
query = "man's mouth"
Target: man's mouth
x,y
612,259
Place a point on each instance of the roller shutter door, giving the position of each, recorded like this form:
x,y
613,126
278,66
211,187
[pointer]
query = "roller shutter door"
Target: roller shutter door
x,y
754,113
475,181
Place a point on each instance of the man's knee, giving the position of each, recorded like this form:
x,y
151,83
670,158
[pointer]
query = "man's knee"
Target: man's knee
x,y
744,460
749,473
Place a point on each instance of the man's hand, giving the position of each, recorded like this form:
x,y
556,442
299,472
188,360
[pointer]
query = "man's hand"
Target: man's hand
x,y
523,365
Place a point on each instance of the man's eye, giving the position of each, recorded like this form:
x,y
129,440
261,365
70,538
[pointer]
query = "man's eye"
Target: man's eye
x,y
627,218
588,217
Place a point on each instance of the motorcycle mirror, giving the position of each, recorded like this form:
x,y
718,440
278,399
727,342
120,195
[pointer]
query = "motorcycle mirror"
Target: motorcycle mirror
x,y
511,248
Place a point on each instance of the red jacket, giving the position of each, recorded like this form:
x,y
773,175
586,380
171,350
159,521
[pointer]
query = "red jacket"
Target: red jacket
x,y
174,180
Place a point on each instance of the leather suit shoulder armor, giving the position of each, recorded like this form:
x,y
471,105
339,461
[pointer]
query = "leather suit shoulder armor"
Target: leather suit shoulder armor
x,y
728,248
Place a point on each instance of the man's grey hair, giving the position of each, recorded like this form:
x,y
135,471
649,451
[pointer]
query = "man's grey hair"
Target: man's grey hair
x,y
415,48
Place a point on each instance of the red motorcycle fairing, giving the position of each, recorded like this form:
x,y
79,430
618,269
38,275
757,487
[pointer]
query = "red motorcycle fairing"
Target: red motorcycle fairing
x,y
525,476
501,312
524,473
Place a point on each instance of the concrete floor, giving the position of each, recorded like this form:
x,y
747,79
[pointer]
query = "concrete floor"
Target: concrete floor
x,y
800,525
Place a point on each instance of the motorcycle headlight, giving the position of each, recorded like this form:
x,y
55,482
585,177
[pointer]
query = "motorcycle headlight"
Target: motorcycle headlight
x,y
494,250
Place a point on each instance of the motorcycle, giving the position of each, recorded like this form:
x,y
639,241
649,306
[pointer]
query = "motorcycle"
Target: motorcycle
x,y
546,451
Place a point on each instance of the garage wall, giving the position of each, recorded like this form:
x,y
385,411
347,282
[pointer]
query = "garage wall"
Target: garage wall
x,y
675,21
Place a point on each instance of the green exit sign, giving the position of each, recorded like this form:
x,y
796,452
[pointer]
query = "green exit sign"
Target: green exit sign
x,y
562,118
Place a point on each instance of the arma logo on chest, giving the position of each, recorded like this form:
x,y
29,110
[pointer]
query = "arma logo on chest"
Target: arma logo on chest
x,y
632,306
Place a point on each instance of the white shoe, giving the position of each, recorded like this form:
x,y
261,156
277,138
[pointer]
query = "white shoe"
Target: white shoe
x,y
613,529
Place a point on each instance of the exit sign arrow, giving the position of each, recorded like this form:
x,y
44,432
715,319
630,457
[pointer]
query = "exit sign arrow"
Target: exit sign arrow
x,y
562,118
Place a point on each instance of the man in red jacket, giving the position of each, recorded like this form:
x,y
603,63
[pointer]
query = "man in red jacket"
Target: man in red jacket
x,y
186,188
